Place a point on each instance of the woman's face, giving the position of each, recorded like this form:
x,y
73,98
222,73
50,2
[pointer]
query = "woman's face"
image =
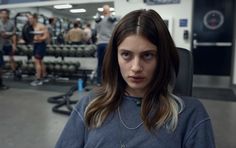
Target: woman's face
x,y
137,58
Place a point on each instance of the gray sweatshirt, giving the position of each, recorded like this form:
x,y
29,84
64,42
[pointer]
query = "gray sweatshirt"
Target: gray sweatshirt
x,y
104,30
8,27
194,129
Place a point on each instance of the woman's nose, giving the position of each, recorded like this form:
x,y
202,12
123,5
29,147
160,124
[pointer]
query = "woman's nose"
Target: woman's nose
x,y
136,65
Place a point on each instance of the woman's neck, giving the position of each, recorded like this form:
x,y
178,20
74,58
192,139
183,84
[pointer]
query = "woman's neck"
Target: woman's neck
x,y
135,92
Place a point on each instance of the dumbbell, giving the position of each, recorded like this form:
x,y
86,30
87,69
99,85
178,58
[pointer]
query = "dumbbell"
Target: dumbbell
x,y
77,64
110,19
49,45
50,67
24,67
57,52
73,51
64,67
57,67
93,50
80,51
54,46
61,45
7,65
18,64
46,63
71,68
88,51
66,46
24,49
50,50
31,67
18,50
64,52
29,51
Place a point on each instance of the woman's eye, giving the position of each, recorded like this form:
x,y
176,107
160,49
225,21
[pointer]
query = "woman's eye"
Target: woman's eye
x,y
148,56
125,55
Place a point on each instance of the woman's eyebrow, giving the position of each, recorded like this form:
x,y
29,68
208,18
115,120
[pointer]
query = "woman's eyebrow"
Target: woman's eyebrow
x,y
125,50
129,50
150,50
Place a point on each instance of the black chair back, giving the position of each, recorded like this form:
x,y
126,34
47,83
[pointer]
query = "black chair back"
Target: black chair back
x,y
184,81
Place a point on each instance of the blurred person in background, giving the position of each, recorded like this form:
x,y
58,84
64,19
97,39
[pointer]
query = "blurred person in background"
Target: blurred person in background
x,y
51,29
75,36
2,86
8,38
39,49
88,34
104,27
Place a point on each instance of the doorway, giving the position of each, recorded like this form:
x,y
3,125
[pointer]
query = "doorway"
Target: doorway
x,y
212,38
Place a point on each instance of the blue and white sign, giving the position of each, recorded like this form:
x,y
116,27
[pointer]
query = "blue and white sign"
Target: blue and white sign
x,y
183,23
159,2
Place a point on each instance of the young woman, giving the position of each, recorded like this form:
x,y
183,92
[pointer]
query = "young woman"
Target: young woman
x,y
135,107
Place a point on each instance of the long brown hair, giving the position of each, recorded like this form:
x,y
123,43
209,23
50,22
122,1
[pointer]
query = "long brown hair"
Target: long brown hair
x,y
157,105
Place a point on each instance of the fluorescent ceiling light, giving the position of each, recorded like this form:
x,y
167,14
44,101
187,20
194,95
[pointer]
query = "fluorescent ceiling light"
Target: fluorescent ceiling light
x,y
101,9
78,10
112,9
96,16
63,6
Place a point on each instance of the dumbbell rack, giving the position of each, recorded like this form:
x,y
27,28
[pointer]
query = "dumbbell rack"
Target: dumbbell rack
x,y
61,60
57,54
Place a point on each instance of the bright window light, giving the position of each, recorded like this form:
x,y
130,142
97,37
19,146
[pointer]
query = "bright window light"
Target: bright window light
x,y
78,10
63,6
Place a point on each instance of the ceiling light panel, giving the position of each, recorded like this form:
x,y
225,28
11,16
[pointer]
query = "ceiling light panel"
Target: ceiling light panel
x,y
77,10
63,6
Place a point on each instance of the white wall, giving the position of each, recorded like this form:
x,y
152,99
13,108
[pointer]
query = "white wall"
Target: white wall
x,y
32,10
174,11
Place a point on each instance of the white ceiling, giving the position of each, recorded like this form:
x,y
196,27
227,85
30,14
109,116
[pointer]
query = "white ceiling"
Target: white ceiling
x,y
91,10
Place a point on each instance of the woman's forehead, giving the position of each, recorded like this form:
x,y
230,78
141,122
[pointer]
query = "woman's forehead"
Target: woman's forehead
x,y
136,42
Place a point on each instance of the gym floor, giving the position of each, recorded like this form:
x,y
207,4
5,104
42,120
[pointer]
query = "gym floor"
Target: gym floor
x,y
27,120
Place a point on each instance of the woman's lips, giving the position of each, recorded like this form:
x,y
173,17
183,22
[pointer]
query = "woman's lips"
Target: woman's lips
x,y
136,79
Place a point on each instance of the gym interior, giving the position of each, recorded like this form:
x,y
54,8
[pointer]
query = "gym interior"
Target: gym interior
x,y
34,115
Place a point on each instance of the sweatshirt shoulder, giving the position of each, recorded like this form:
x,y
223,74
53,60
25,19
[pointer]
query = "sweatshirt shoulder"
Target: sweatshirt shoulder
x,y
193,104
194,111
196,124
83,103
